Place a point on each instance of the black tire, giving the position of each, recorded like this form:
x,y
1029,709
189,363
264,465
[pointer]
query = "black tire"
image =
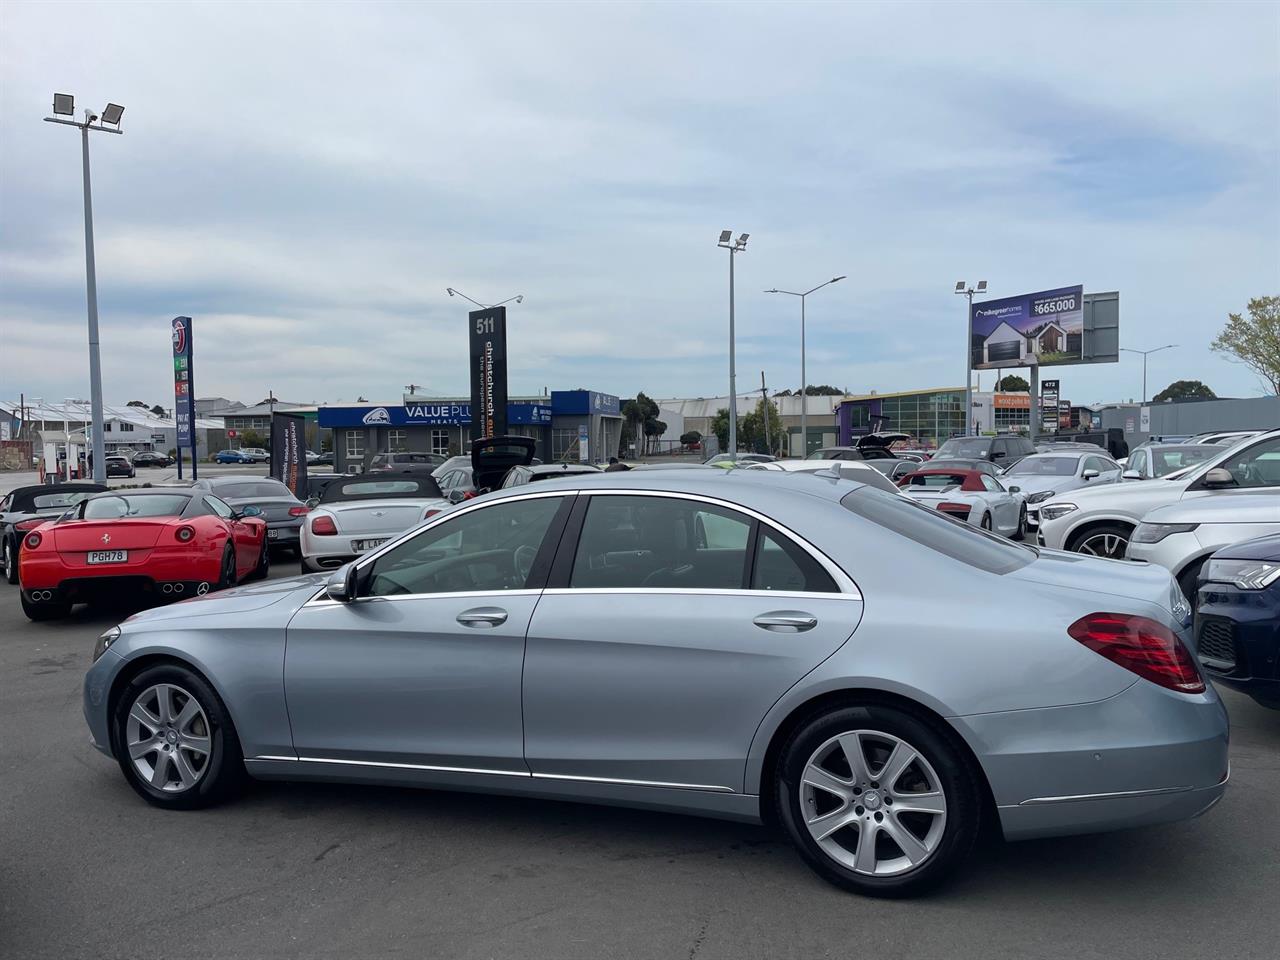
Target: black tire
x,y
227,577
11,554
1188,581
952,769
1021,533
47,610
223,774
263,568
1098,541
985,522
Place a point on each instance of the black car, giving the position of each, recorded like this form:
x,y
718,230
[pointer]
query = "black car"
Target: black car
x,y
26,508
148,458
493,457
872,446
118,466
279,507
406,462
1238,618
1001,450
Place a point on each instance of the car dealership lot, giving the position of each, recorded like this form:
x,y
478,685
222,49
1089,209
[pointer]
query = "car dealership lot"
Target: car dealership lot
x,y
88,869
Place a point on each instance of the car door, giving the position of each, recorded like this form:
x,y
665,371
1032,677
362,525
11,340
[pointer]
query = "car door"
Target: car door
x,y
422,669
244,540
1004,505
1138,464
671,624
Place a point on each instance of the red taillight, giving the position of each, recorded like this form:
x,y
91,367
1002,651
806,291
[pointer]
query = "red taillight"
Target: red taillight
x,y
33,540
468,495
958,509
323,526
429,514
1141,645
184,534
299,511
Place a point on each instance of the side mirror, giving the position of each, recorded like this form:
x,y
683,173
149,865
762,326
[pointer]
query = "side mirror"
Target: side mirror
x,y
1131,475
341,585
312,503
1015,489
1218,477
1089,474
456,496
251,511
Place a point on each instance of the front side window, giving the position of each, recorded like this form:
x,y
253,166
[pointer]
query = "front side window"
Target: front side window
x,y
1259,466
1138,462
660,542
489,549
991,484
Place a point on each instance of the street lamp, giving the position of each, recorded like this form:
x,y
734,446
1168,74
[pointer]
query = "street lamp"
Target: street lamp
x,y
965,290
1145,354
804,404
64,105
734,247
519,298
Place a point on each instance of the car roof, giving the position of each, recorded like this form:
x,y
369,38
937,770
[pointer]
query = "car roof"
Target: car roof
x,y
145,492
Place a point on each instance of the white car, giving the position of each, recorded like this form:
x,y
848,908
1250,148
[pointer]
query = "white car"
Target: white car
x,y
1153,460
1101,521
1181,536
353,516
848,469
1043,476
970,495
1225,436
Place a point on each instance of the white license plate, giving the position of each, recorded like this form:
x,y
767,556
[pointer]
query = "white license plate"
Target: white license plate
x,y
360,546
273,534
109,556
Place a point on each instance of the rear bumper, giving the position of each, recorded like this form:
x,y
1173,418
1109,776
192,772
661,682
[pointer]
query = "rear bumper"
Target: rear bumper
x,y
49,572
1147,755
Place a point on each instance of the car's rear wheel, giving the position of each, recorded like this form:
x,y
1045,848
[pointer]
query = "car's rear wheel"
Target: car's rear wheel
x,y
1021,533
1109,540
227,579
175,741
10,560
877,800
986,521
264,562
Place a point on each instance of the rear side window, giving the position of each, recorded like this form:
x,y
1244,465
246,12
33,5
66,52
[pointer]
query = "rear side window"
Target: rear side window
x,y
781,565
929,528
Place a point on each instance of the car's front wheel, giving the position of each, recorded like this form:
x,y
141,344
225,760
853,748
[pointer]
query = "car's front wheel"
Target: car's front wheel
x,y
877,800
175,741
1108,540
10,560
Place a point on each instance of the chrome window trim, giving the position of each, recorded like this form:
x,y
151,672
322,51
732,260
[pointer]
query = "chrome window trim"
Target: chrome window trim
x,y
321,599
434,768
842,579
698,592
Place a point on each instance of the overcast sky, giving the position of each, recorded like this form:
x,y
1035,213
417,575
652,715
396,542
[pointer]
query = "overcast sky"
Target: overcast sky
x,y
305,180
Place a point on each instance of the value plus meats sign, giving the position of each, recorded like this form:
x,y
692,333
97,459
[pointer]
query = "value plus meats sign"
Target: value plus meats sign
x,y
488,332
184,398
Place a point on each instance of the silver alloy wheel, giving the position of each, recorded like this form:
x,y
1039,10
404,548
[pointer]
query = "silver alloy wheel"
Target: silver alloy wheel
x,y
872,803
167,736
8,559
1110,545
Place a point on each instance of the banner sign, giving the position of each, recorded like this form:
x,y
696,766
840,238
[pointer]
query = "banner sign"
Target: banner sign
x,y
426,414
1044,329
184,398
289,452
488,334
584,444
1048,405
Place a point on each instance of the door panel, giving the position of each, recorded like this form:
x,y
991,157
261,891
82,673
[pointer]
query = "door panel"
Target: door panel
x,y
664,687
402,680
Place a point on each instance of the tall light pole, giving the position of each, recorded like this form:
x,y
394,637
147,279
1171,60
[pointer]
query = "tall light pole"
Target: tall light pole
x,y
64,105
519,298
804,382
965,290
734,247
1145,354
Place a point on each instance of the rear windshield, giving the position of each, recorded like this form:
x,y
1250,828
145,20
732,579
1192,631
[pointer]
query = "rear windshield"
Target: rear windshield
x,y
929,528
149,505
1044,467
936,479
966,447
373,489
251,488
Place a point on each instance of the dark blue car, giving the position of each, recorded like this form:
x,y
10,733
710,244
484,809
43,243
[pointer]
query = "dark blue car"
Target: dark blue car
x,y
1238,618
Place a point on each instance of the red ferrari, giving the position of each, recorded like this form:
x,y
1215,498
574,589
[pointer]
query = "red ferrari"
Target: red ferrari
x,y
172,542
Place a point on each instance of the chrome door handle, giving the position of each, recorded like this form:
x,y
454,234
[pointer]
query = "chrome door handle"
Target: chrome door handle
x,y
482,617
786,621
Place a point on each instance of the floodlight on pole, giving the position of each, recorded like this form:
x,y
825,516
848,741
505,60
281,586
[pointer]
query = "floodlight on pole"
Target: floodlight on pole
x,y
453,292
64,106
963,288
804,383
734,247
1145,354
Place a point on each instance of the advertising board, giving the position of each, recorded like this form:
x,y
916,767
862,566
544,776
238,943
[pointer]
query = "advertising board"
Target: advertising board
x,y
487,330
1044,329
289,452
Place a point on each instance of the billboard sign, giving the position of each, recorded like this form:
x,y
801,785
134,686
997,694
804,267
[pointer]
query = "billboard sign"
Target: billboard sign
x,y
1064,414
184,398
1044,329
487,330
1048,405
289,452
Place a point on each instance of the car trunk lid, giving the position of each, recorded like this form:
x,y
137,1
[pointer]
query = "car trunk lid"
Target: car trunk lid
x,y
380,516
492,457
81,536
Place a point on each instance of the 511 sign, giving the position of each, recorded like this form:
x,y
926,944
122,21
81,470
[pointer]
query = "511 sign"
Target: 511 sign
x,y
488,358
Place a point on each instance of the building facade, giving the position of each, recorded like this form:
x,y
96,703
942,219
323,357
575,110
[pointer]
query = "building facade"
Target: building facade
x,y
930,416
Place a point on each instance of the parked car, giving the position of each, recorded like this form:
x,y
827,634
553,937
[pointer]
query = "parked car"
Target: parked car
x,y
492,457
254,455
1226,436
563,640
232,456
957,463
456,483
406,462
359,514
149,458
895,469
170,542
739,458
517,476
1180,536
862,471
1101,521
1161,459
1238,618
324,458
1001,450
282,511
25,508
969,495
119,467
873,446
1043,476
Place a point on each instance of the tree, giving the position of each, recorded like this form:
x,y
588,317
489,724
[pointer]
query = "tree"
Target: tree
x,y
158,410
637,415
653,429
751,428
690,437
720,427
252,438
1185,390
135,403
1013,384
1255,340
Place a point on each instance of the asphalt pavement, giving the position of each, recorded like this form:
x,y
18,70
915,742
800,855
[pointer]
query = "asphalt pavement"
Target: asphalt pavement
x,y
87,869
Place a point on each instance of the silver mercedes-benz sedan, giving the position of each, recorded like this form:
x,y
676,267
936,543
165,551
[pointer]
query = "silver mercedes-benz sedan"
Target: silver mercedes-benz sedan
x,y
744,644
